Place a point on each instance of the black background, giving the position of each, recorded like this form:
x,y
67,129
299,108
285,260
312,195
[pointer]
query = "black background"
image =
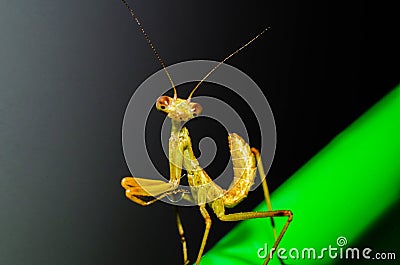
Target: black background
x,y
69,68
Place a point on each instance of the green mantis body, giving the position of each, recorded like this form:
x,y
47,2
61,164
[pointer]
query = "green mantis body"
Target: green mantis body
x,y
204,191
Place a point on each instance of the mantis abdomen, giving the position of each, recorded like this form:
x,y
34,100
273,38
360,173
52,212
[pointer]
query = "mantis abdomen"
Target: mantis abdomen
x,y
244,169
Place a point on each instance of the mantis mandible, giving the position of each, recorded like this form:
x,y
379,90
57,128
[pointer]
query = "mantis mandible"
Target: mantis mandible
x,y
204,191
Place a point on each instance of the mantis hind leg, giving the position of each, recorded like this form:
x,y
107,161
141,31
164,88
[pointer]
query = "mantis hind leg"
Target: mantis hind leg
x,y
220,212
219,209
266,191
265,186
219,205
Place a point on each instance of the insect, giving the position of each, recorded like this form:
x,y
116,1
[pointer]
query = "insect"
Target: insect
x,y
204,191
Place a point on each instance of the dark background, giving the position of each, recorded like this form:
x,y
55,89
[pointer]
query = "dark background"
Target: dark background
x,y
69,68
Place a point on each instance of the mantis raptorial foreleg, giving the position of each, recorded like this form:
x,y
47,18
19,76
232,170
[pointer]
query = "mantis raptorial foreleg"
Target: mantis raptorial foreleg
x,y
155,190
135,188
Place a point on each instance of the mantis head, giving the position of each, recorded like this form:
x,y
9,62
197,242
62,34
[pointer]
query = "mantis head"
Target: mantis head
x,y
178,109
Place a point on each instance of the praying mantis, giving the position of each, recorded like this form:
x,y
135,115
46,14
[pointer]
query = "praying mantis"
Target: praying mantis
x,y
246,160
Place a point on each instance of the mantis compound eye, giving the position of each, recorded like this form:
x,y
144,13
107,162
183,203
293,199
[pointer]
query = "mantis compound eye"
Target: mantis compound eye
x,y
163,102
196,108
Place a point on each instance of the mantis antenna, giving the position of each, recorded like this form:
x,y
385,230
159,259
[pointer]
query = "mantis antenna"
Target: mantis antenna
x,y
151,45
219,64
